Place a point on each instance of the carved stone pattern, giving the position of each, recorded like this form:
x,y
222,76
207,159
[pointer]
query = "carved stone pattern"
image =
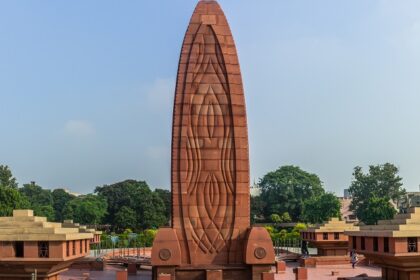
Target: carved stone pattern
x,y
210,187
260,253
165,254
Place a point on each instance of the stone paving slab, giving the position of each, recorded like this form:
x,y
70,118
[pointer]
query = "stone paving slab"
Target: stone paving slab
x,y
324,272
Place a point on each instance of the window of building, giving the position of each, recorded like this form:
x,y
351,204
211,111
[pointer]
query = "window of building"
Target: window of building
x,y
86,245
43,249
375,244
336,236
74,247
68,248
19,249
81,246
412,244
325,236
354,242
386,244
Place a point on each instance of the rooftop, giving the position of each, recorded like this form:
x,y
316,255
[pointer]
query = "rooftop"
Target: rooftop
x,y
333,225
402,225
24,226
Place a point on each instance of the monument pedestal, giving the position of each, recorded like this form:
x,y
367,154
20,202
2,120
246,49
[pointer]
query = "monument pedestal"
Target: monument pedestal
x,y
259,259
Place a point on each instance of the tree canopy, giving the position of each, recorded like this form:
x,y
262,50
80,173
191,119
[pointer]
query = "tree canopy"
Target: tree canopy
x,y
286,189
60,198
370,190
137,197
166,197
41,200
6,177
378,209
319,209
10,199
89,209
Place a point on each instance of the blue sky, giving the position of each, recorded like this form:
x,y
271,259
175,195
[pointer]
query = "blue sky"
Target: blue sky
x,y
86,87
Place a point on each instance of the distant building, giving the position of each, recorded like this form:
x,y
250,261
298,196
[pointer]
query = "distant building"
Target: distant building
x,y
347,194
410,199
255,190
346,214
72,193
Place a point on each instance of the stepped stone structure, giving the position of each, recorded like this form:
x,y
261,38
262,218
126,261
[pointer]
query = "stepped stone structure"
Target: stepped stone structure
x,y
329,238
330,241
96,233
30,244
211,236
392,244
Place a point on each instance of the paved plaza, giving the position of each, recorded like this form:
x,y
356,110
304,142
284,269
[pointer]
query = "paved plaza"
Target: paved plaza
x,y
324,272
108,274
319,273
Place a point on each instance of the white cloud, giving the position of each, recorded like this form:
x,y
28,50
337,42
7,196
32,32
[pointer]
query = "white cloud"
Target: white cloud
x,y
157,153
161,93
79,128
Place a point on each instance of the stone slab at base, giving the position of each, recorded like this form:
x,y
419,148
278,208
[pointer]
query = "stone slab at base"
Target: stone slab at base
x,y
132,269
164,277
301,273
214,275
268,276
280,267
121,275
324,260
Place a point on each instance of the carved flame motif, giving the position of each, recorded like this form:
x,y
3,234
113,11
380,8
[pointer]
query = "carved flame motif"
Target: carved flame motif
x,y
210,149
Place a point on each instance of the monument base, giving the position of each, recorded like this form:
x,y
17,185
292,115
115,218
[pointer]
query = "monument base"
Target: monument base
x,y
254,272
258,259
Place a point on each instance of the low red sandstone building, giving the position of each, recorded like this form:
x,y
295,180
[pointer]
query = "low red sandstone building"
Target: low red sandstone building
x,y
330,240
96,234
30,244
392,244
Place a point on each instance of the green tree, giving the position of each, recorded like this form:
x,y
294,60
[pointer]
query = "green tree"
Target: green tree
x,y
166,197
381,182
286,189
88,210
60,198
6,177
321,208
275,218
37,195
146,237
285,217
45,211
378,209
136,195
40,200
257,208
11,199
126,218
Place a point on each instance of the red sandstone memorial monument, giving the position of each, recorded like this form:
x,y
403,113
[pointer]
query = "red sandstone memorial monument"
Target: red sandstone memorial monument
x,y
211,236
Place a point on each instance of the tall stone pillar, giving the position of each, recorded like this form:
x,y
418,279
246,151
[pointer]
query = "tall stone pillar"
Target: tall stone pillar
x,y
210,163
